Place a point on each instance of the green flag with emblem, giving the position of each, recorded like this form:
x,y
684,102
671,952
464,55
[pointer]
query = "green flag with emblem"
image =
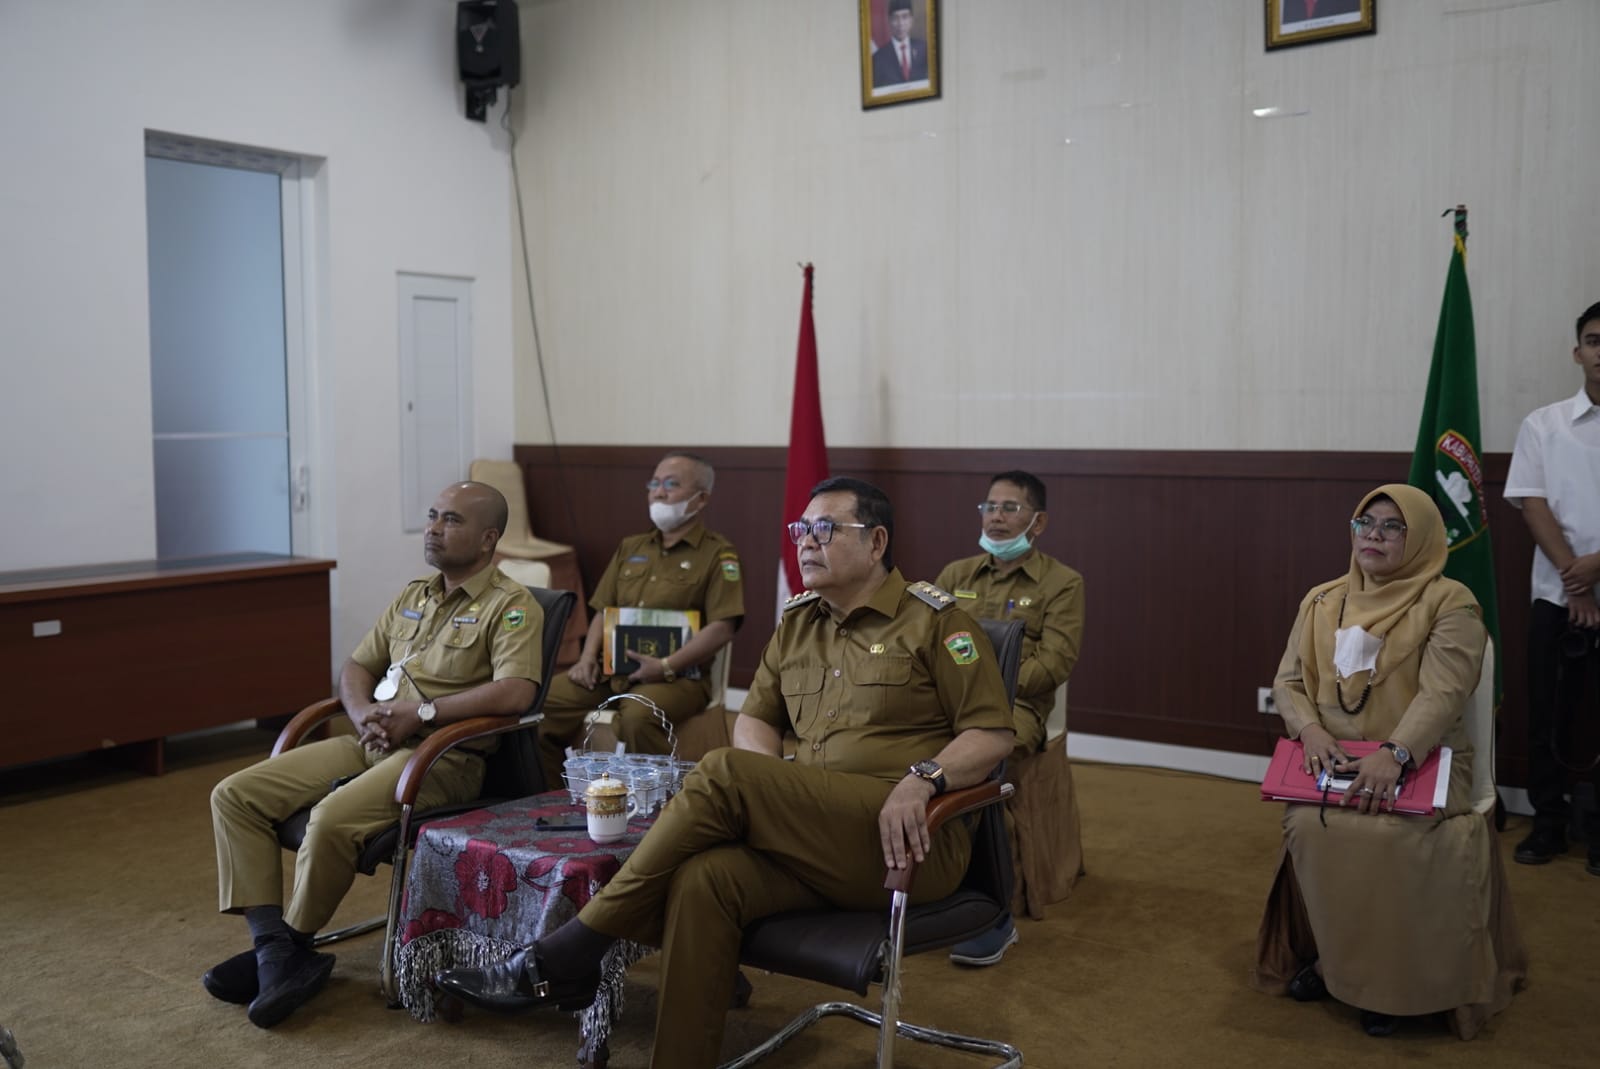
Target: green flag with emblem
x,y
1447,462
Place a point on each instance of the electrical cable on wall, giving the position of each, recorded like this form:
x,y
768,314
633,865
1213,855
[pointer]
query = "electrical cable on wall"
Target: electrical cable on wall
x,y
533,320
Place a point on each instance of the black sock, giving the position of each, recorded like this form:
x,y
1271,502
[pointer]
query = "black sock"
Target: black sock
x,y
273,938
265,921
571,952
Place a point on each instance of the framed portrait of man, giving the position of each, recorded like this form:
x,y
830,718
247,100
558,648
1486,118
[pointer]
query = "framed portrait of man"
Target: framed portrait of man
x,y
1303,22
899,51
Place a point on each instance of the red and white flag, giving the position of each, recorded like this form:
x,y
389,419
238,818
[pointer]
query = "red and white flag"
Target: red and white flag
x,y
808,450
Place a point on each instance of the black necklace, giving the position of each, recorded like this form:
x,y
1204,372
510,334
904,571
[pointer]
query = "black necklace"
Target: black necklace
x,y
1338,682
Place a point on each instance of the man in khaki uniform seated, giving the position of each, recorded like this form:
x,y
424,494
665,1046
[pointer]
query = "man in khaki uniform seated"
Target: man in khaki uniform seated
x,y
462,643
893,698
678,565
1012,579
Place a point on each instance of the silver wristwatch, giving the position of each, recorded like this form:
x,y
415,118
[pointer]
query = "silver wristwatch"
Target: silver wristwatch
x,y
1401,754
426,712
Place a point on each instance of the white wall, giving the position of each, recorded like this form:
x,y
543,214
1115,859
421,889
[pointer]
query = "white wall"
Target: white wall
x,y
404,183
1089,242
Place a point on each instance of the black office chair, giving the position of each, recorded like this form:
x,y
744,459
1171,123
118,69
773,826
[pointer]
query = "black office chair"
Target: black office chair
x,y
512,771
852,949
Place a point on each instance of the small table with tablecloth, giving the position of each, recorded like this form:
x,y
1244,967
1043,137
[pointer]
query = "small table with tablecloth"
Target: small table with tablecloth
x,y
486,883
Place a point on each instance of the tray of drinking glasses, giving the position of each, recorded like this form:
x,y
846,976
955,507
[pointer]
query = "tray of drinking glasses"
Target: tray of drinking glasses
x,y
651,778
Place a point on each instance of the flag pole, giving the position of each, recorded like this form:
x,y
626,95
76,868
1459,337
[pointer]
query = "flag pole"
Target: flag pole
x,y
1460,228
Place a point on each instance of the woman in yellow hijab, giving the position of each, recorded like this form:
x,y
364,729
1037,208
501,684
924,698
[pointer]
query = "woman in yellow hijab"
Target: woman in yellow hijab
x,y
1396,915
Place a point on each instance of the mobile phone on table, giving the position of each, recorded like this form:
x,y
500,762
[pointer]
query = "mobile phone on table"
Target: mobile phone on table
x,y
562,822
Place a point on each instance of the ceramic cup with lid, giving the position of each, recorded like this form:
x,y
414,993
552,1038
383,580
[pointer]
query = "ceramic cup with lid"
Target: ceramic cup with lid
x,y
610,805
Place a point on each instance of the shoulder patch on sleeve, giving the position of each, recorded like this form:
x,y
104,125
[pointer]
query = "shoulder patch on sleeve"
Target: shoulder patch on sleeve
x,y
926,592
962,649
805,597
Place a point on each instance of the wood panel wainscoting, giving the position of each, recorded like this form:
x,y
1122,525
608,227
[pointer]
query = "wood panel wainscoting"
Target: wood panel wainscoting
x,y
121,655
1193,562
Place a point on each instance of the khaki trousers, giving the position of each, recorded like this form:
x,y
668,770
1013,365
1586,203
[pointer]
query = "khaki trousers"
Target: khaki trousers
x,y
246,806
636,726
749,836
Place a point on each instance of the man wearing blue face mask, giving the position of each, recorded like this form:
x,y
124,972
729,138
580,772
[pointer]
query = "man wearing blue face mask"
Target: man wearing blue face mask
x,y
1012,579
678,564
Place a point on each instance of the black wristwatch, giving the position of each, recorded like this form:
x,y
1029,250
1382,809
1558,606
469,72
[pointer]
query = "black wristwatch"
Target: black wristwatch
x,y
1401,754
930,771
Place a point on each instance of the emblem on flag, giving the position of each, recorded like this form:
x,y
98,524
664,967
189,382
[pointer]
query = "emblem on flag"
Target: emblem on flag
x,y
1459,477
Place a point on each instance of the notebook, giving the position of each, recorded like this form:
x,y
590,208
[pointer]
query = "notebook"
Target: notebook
x,y
1422,789
655,632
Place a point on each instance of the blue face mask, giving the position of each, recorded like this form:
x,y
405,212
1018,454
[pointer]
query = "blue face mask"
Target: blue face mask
x,y
1011,548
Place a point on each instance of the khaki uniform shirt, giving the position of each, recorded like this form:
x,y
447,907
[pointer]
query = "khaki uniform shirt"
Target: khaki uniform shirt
x,y
880,689
1048,596
490,628
700,571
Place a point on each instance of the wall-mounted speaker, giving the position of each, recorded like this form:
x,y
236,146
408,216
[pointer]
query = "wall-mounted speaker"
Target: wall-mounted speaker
x,y
488,51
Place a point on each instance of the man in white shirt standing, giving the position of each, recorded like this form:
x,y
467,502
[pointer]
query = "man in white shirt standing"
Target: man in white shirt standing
x,y
1555,481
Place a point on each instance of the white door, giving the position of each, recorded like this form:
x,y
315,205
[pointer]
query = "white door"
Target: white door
x,y
435,333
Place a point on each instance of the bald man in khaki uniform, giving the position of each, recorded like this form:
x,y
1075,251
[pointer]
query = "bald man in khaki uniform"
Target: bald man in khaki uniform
x,y
1012,579
679,565
465,642
874,676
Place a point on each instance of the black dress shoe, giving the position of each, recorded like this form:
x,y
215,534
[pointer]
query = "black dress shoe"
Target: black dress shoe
x,y
233,980
1540,846
514,985
1378,1024
1307,985
9,1054
288,985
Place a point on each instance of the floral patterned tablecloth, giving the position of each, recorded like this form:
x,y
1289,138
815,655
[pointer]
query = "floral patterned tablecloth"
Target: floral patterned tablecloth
x,y
484,883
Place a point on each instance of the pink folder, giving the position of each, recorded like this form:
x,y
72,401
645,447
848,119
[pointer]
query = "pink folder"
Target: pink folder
x,y
1422,791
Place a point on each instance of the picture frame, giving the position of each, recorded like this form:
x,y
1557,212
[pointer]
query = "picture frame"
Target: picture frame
x,y
900,53
1304,22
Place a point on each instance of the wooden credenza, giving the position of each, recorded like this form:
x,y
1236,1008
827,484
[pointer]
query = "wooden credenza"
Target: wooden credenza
x,y
122,655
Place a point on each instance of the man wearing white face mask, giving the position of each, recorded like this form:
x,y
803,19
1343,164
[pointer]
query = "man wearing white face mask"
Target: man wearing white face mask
x,y
679,564
1012,579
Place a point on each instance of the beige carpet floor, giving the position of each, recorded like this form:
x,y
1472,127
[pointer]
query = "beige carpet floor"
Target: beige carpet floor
x,y
108,917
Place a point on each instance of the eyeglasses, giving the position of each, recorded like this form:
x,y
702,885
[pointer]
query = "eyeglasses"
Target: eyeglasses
x,y
1388,530
821,530
1010,508
669,483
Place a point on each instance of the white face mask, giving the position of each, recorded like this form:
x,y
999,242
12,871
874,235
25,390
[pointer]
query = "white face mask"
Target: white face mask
x,y
669,516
